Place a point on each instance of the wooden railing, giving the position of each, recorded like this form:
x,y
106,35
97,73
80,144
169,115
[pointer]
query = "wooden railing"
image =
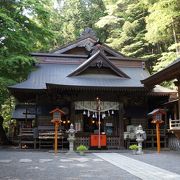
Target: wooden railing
x,y
113,142
174,124
26,137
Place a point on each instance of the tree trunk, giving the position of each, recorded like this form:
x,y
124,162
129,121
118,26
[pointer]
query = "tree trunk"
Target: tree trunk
x,y
3,137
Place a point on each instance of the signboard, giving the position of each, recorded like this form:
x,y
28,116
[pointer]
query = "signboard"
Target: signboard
x,y
109,124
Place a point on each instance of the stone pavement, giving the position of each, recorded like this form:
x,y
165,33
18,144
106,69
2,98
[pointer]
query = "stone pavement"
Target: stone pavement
x,y
140,169
22,165
34,165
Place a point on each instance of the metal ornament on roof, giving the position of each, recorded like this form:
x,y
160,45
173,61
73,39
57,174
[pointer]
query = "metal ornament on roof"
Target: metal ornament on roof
x,y
88,32
99,64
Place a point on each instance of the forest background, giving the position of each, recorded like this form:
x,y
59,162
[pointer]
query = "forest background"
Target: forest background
x,y
147,29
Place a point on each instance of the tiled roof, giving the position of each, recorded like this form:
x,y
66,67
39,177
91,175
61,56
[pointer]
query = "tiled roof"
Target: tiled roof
x,y
58,74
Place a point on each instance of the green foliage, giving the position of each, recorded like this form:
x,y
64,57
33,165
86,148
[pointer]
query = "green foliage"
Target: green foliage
x,y
24,28
6,110
133,147
81,148
165,60
126,23
160,19
75,15
144,29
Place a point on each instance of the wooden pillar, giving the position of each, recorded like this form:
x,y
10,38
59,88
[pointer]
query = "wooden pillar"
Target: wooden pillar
x,y
175,111
158,137
72,116
56,137
36,111
121,126
177,83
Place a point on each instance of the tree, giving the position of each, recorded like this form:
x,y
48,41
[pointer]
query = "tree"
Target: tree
x,y
76,15
127,26
30,25
163,24
144,28
24,28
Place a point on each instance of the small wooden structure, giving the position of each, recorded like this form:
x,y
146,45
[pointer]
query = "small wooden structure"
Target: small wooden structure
x,y
157,119
56,114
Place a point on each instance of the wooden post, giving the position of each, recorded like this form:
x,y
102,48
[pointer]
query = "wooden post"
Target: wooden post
x,y
99,122
56,113
56,137
72,113
158,137
121,126
157,119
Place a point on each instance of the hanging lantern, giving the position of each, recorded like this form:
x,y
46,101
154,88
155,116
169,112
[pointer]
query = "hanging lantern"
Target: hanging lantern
x,y
84,112
112,112
109,113
88,114
103,115
93,116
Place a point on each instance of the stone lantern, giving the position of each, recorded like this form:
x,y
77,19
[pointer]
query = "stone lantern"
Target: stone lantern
x,y
140,137
71,138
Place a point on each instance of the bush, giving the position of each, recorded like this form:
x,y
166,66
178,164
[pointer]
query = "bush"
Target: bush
x,y
133,147
82,148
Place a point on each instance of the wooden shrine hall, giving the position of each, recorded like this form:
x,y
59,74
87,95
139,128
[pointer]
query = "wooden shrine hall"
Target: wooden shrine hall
x,y
71,78
171,72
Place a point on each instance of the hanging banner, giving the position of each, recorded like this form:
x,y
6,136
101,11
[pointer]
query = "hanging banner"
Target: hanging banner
x,y
92,105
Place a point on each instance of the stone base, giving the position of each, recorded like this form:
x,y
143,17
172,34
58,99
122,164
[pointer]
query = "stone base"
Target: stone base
x,y
139,152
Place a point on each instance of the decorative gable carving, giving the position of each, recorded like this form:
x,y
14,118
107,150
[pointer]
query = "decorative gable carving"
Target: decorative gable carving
x,y
98,60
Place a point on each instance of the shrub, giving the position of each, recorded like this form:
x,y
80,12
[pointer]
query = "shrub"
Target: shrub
x,y
82,148
133,147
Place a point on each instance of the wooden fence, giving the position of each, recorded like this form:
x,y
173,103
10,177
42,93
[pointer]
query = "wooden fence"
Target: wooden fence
x,y
174,124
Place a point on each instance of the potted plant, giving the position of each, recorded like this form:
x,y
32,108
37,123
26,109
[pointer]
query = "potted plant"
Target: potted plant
x,y
81,149
134,148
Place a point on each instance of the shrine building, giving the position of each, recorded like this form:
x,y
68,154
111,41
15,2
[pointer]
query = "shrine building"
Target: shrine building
x,y
89,81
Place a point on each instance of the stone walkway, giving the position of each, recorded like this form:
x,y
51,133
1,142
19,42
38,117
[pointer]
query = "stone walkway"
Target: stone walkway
x,y
47,166
137,168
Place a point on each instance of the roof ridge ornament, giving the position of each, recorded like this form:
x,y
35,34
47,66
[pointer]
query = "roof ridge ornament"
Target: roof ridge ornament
x,y
96,47
88,32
